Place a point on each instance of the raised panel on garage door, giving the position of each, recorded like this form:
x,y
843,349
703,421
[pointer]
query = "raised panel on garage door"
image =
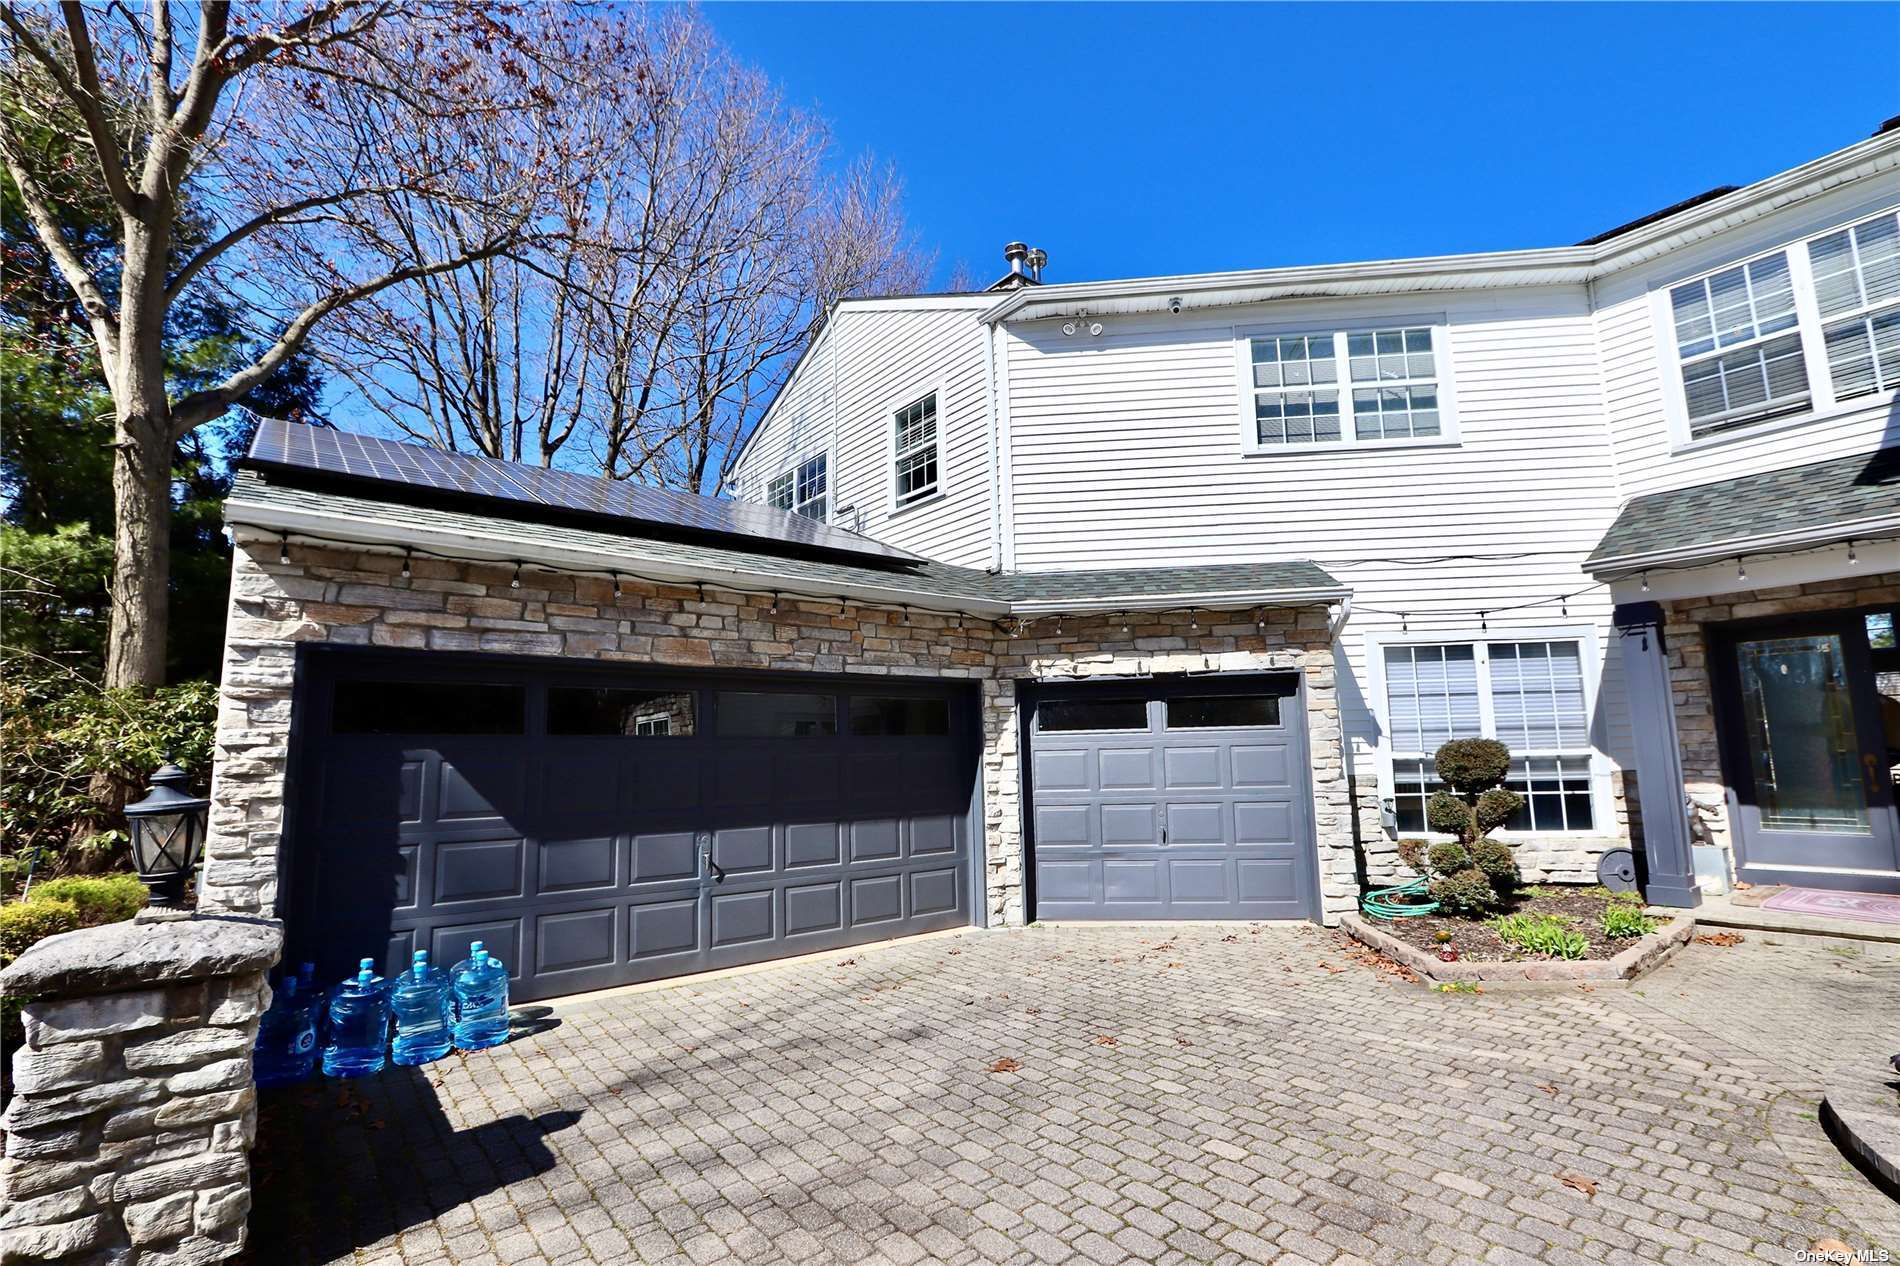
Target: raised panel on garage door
x,y
598,828
1192,801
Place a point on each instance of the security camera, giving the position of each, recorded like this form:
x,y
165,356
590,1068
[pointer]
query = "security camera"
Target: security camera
x,y
1174,305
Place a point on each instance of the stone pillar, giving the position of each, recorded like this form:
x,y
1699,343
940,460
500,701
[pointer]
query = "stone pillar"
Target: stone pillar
x,y
129,1133
1668,863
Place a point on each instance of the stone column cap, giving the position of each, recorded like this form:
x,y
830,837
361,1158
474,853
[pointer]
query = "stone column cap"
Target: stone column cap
x,y
117,956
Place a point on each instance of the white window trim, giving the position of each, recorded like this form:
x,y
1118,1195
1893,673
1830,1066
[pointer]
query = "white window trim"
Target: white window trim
x,y
1340,328
1602,807
889,422
790,470
1821,403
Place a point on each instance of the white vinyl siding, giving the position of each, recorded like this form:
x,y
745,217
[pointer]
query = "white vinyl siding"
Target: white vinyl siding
x,y
1857,276
1342,387
1529,695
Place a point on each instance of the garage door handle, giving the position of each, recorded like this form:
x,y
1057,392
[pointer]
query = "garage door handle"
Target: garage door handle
x,y
718,871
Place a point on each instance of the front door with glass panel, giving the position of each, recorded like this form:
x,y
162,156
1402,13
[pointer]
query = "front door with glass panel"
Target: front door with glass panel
x,y
1810,745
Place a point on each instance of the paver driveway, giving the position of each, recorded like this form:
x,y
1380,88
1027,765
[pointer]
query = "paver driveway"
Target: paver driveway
x,y
1186,1094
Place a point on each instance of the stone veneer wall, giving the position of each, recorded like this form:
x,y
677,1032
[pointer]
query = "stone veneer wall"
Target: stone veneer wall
x,y
339,596
129,1132
1686,634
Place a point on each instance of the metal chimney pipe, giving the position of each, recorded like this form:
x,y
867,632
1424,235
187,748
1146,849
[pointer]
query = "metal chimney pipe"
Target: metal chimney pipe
x,y
1016,253
1038,259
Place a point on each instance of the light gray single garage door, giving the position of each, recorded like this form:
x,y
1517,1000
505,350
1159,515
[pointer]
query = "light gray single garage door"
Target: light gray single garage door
x,y
1171,799
597,828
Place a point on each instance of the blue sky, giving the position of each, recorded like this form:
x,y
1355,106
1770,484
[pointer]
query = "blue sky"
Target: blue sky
x,y
1129,139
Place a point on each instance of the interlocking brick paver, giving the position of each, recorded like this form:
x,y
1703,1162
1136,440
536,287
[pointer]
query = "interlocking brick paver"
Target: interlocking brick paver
x,y
829,1114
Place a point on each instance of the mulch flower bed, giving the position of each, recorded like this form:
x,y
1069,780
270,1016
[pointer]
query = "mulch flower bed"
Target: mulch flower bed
x,y
1476,942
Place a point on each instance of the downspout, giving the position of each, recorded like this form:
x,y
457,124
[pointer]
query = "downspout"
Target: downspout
x,y
834,331
991,472
1005,476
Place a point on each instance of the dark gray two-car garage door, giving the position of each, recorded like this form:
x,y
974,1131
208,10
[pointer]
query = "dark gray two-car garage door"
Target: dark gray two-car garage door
x,y
1177,798
597,828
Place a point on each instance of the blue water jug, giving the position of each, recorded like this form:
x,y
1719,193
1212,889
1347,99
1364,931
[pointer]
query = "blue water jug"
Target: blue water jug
x,y
359,1025
424,1021
286,1047
481,1001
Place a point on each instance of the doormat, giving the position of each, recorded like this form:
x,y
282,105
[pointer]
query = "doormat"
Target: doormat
x,y
1867,906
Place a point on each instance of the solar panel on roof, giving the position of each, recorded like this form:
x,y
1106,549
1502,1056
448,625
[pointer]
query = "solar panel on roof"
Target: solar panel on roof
x,y
356,456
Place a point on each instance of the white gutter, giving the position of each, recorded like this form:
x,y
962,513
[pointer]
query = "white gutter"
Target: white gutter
x,y
1762,543
252,521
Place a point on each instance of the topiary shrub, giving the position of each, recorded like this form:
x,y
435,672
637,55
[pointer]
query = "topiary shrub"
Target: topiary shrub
x,y
97,898
24,924
1473,875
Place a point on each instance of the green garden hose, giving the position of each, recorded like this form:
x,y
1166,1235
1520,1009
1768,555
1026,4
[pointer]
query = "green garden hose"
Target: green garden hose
x,y
1379,903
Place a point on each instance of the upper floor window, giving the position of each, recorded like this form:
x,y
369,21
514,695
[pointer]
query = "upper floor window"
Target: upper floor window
x,y
1857,289
1345,387
1741,352
801,490
1529,695
1809,326
914,469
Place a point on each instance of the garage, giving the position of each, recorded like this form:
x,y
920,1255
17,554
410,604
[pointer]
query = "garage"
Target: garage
x,y
1184,798
599,826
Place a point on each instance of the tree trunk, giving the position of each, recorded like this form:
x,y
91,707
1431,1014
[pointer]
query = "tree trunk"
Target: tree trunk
x,y
141,538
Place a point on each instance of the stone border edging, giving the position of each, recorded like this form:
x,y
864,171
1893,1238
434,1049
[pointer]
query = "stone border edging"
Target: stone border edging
x,y
1862,1114
142,952
1638,958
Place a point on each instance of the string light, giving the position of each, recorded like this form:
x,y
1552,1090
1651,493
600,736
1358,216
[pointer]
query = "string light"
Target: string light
x,y
1405,623
1853,560
1484,621
1645,582
283,550
774,610
616,586
514,581
1741,569
405,564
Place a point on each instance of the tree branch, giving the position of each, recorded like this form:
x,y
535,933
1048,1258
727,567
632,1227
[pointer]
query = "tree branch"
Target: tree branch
x,y
39,209
198,408
257,223
89,98
161,92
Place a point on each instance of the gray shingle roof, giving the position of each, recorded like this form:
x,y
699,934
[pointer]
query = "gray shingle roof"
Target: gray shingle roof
x,y
276,503
1799,506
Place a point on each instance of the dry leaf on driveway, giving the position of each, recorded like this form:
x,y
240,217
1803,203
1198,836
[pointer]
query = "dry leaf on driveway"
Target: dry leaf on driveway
x,y
1723,939
1005,1065
1547,1089
1577,1182
1104,1040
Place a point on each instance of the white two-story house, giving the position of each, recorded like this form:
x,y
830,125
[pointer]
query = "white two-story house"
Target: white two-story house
x,y
1145,599
1560,486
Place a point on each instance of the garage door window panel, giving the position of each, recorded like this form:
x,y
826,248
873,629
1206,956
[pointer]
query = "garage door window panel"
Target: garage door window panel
x,y
579,710
1058,716
1219,712
427,707
899,716
759,714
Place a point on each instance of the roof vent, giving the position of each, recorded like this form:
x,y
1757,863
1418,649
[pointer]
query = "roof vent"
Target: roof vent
x,y
1025,266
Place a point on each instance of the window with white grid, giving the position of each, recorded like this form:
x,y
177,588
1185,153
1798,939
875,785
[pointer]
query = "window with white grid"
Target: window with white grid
x,y
1739,346
1359,386
1529,695
802,489
914,468
1857,291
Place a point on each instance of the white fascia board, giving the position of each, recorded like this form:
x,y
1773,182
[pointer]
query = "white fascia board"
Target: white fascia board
x,y
1763,543
1488,270
1233,598
392,535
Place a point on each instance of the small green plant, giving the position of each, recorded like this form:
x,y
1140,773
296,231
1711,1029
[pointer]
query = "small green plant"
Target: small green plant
x,y
1441,937
1621,921
98,898
1471,874
1458,986
24,924
1547,935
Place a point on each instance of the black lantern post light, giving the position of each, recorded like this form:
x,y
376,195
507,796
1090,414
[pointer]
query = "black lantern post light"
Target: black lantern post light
x,y
168,831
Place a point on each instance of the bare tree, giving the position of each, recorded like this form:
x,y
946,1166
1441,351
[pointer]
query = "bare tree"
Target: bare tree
x,y
305,130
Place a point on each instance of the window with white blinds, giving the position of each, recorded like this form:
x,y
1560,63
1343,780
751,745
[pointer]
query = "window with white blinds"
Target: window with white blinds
x,y
914,451
1802,329
1529,695
1857,290
1740,349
